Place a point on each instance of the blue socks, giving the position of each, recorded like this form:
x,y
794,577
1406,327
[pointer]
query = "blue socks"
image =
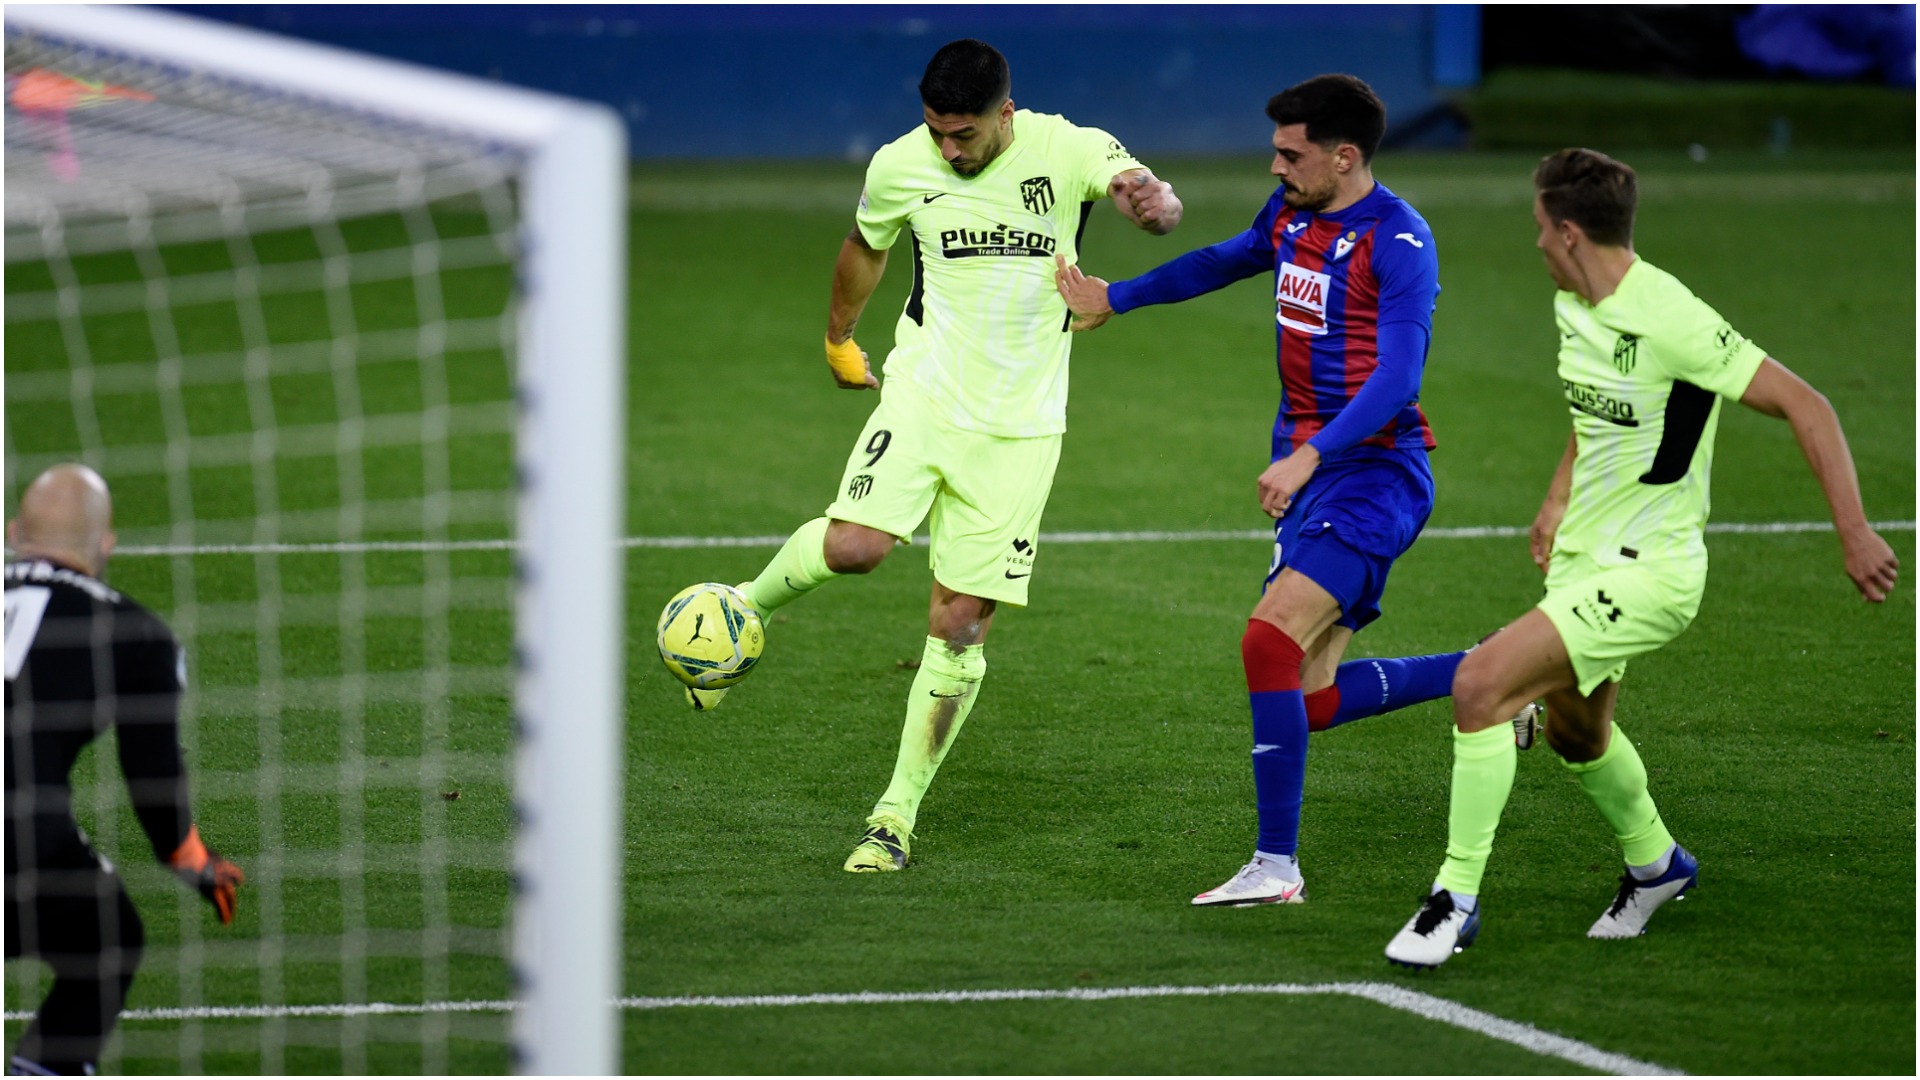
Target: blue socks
x,y
1283,715
1364,688
1272,662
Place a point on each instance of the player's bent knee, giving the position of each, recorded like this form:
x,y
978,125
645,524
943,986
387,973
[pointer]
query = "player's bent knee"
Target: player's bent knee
x,y
855,549
962,622
1477,694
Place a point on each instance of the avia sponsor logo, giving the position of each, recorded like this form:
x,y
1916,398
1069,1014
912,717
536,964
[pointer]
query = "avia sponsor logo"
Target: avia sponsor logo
x,y
999,240
1301,299
1595,403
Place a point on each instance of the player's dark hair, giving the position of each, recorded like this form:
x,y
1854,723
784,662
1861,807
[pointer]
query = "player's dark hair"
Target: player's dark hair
x,y
967,77
1336,109
1591,190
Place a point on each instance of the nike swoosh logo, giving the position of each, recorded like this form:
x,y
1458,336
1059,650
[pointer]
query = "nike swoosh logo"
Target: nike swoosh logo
x,y
925,199
1011,575
937,693
1408,237
1263,747
790,583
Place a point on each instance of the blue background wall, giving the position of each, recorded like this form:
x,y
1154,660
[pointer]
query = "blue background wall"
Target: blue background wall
x,y
825,81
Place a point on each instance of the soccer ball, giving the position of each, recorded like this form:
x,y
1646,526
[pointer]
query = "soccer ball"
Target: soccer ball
x,y
710,637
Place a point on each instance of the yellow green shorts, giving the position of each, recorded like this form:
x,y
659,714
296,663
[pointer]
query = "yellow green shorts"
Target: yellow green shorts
x,y
981,495
1607,615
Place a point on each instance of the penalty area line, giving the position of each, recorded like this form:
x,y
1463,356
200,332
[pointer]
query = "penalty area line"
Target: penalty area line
x,y
1398,998
1159,536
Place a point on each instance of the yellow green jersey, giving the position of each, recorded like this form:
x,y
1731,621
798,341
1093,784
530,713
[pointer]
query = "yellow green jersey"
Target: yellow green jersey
x,y
1644,371
984,334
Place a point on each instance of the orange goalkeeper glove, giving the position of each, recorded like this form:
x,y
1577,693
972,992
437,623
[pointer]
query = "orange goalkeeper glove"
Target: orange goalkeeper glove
x,y
202,868
849,365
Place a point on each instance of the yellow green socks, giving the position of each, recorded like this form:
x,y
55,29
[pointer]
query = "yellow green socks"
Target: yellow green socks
x,y
1616,781
942,696
1483,765
799,568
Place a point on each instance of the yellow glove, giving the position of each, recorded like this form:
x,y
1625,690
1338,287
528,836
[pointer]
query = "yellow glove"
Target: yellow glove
x,y
849,364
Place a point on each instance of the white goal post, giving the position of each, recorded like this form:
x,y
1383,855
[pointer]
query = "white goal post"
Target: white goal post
x,y
569,452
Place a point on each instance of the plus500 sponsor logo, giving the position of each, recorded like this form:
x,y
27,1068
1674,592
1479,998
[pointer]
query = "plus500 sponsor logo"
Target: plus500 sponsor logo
x,y
999,240
1594,403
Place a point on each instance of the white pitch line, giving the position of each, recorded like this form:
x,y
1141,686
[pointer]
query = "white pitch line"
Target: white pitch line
x,y
1440,1010
1467,532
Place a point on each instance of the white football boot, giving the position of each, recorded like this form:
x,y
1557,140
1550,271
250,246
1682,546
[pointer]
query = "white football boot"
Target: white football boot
x,y
1254,884
1637,900
1529,722
1435,933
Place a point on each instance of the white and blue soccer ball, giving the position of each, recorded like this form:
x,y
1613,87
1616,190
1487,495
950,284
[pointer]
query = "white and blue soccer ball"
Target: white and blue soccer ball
x,y
710,637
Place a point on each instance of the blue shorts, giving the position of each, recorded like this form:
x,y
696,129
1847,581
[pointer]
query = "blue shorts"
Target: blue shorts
x,y
1358,514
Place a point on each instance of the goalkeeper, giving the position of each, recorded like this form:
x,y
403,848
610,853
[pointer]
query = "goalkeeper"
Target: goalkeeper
x,y
969,426
81,658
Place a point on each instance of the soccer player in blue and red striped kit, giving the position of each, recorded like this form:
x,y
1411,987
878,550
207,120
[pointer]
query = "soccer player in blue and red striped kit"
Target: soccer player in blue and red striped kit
x,y
1356,277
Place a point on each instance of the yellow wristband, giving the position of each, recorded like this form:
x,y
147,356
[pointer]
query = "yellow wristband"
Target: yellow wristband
x,y
847,361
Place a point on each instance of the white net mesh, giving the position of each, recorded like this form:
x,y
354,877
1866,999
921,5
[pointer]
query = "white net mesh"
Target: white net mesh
x,y
284,333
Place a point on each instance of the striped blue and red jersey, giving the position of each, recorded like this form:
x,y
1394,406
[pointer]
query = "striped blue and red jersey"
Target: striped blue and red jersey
x,y
1354,294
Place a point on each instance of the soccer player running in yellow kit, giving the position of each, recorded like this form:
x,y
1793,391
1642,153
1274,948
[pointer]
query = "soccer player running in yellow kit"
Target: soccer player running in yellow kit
x,y
969,425
1644,364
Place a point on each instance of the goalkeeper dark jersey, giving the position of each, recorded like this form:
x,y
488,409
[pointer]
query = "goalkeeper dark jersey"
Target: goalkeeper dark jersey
x,y
82,658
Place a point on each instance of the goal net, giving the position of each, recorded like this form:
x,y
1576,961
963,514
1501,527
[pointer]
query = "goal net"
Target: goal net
x,y
344,338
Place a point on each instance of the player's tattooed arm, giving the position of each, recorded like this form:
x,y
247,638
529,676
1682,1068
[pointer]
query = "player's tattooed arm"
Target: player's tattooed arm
x,y
1779,393
856,273
1546,524
1146,200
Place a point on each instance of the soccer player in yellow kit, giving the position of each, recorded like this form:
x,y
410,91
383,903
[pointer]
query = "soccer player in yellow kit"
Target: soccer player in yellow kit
x,y
1644,364
969,425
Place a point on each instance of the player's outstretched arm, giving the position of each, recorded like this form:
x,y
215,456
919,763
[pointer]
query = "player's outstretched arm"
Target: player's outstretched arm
x,y
856,273
1146,200
1780,393
1553,509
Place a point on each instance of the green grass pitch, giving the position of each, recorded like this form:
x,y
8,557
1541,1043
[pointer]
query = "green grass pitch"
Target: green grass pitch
x,y
1102,779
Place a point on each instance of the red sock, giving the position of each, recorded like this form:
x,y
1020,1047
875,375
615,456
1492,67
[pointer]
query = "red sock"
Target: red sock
x,y
1272,659
1321,707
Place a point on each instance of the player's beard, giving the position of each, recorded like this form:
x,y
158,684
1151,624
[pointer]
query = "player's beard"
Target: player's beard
x,y
972,167
1310,201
